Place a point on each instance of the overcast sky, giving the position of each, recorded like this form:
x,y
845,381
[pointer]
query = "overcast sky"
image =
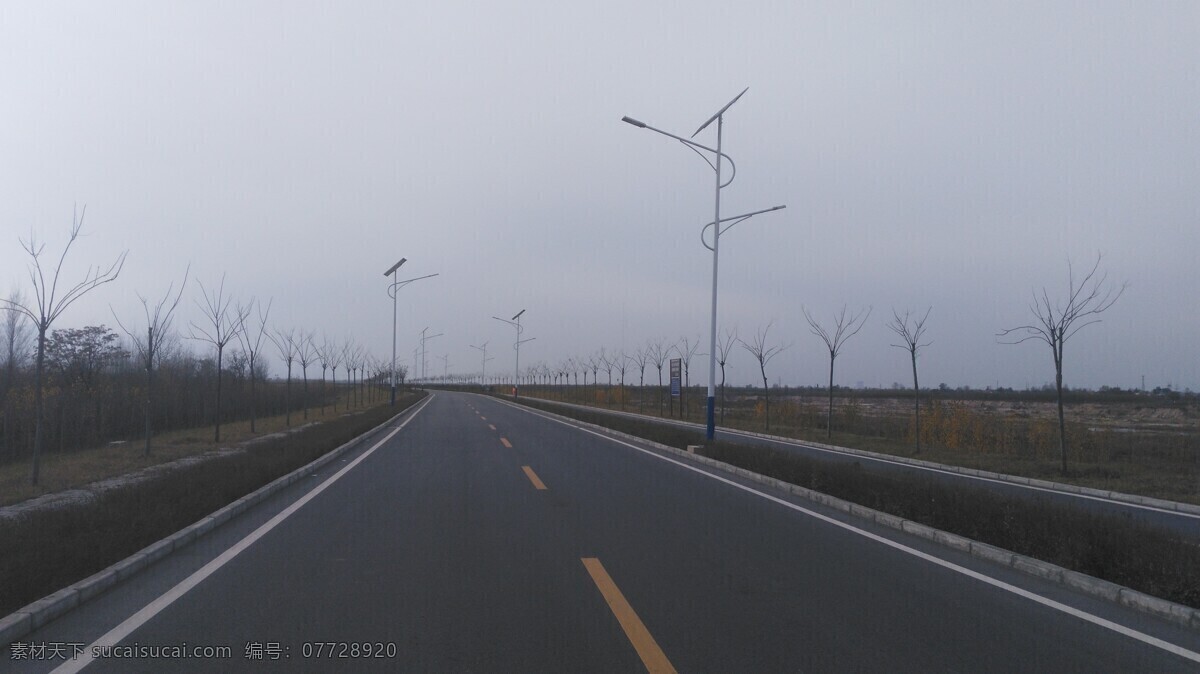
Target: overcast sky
x,y
930,154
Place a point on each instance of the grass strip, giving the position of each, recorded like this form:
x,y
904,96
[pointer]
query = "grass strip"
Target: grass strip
x,y
46,550
1113,548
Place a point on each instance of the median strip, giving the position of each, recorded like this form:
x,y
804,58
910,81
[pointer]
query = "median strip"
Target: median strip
x,y
647,648
537,482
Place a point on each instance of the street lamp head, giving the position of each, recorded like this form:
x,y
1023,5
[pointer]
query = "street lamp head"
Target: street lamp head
x,y
630,120
396,266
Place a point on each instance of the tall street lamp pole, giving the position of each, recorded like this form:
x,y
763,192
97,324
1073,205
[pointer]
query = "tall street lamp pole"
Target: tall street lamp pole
x,y
423,340
719,118
516,322
393,290
483,374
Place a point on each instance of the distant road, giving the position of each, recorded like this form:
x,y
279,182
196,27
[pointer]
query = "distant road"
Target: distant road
x,y
1187,524
485,537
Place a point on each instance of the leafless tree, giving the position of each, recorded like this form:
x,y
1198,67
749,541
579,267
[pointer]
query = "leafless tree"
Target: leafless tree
x,y
251,339
1056,323
658,352
687,350
724,346
640,357
306,354
158,325
608,363
763,353
622,361
844,328
14,331
911,329
47,305
285,344
226,321
328,352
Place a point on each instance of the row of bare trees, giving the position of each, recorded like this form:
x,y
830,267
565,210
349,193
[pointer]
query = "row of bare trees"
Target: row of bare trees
x,y
90,378
1055,323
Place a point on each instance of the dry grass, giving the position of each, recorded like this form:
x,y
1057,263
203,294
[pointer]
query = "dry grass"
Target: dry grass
x,y
67,470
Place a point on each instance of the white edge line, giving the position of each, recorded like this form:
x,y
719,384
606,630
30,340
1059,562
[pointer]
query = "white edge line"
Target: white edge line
x,y
116,634
1021,592
880,459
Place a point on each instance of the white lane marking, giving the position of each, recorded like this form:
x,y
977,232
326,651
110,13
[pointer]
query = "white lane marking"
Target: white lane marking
x,y
118,633
1021,592
879,459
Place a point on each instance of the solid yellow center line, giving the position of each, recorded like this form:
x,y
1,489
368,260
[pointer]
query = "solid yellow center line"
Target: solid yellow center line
x,y
647,649
537,481
492,426
506,443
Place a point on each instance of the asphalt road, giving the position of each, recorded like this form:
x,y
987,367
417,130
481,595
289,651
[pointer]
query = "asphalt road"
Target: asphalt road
x,y
1182,523
481,537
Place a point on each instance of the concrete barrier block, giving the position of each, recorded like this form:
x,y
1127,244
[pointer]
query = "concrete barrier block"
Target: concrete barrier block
x,y
1092,586
14,626
48,608
1036,567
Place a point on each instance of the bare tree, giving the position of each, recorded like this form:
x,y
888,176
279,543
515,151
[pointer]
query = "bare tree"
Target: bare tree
x,y
763,353
1056,323
335,357
640,357
844,328
658,352
724,346
911,336
252,342
687,350
285,344
622,361
227,321
14,331
607,363
158,324
47,305
306,353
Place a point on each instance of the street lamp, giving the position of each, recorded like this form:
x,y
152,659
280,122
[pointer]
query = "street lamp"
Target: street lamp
x,y
423,340
516,322
716,223
392,291
483,375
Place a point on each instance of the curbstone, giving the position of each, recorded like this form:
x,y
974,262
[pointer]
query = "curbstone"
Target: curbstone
x,y
128,567
93,586
1093,586
1155,606
14,626
48,608
159,549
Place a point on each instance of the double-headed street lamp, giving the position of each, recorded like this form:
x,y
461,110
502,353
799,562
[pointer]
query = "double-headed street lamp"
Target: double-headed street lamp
x,y
423,340
483,375
516,322
392,290
716,223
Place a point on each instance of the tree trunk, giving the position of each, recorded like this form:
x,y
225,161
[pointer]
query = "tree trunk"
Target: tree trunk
x,y
287,397
304,392
916,400
766,394
1062,425
38,403
217,432
149,384
252,398
829,414
722,393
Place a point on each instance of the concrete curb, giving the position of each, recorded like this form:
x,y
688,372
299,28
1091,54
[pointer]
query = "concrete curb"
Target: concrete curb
x,y
1135,499
33,616
1178,614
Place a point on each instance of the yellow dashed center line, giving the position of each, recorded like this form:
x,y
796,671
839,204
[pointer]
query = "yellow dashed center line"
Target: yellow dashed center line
x,y
537,482
506,443
492,426
647,649
483,417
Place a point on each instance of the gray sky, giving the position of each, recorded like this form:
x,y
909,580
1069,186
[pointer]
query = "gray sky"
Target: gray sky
x,y
930,154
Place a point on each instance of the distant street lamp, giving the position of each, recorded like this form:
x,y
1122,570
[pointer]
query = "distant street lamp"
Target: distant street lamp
x,y
392,290
516,322
483,373
717,220
423,340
